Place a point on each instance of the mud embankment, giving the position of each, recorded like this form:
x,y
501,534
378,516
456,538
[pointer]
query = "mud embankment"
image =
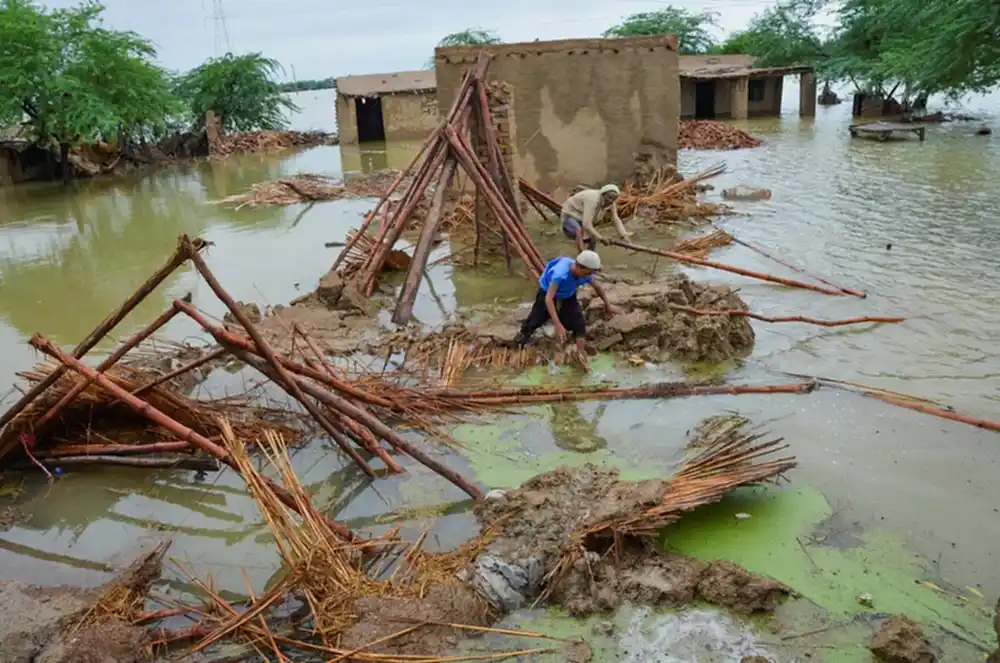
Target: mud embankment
x,y
650,326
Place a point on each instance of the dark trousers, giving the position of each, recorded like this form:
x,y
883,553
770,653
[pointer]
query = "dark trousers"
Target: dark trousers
x,y
569,311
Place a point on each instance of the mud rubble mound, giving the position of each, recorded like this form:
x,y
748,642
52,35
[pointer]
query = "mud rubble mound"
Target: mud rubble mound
x,y
535,522
651,328
900,640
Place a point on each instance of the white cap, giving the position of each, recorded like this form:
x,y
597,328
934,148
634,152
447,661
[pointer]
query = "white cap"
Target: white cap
x,y
589,259
611,188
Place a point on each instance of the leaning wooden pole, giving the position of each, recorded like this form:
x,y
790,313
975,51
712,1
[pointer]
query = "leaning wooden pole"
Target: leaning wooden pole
x,y
382,201
284,379
418,263
111,360
786,318
143,408
185,247
680,257
801,270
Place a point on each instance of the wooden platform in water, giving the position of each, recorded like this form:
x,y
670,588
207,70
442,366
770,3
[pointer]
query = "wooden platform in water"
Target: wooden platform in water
x,y
883,130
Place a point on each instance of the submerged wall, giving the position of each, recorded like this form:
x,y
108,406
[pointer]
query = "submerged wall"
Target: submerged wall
x,y
583,108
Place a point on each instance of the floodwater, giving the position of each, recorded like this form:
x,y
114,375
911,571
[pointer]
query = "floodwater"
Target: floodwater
x,y
913,224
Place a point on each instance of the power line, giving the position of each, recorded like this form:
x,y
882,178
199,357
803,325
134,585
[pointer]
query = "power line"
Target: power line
x,y
221,29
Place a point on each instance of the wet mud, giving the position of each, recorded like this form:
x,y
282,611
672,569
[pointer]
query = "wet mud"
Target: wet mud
x,y
649,327
900,640
535,521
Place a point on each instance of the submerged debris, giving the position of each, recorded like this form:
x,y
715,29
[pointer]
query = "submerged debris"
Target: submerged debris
x,y
309,188
713,135
900,640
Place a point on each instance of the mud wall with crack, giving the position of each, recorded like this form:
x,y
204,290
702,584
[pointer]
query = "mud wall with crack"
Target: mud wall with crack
x,y
583,107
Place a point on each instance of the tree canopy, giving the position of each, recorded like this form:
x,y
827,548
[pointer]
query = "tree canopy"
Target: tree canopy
x,y
466,37
693,29
781,35
241,90
68,78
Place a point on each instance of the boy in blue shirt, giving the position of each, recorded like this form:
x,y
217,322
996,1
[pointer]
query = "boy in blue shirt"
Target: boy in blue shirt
x,y
556,299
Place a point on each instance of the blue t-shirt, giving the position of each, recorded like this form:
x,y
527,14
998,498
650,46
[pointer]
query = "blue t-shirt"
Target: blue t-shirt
x,y
558,271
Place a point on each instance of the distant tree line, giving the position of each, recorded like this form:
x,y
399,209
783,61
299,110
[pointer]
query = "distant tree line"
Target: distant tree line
x,y
309,84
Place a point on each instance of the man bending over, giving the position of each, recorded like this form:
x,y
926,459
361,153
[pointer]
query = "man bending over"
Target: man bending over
x,y
582,210
556,300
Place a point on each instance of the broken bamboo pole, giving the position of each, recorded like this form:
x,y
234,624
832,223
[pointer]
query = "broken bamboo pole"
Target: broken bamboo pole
x,y
377,426
110,361
382,201
539,196
490,140
114,449
418,263
190,366
680,257
801,270
936,411
364,436
567,394
284,379
399,220
181,254
434,157
786,318
220,334
197,463
143,408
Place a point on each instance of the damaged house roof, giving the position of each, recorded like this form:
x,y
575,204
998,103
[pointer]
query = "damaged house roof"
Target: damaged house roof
x,y
370,85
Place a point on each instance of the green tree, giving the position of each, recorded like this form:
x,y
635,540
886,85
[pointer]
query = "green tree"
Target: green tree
x,y
693,29
70,80
930,47
308,84
240,89
467,37
782,35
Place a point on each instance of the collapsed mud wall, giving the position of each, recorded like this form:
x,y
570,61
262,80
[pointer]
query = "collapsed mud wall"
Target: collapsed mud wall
x,y
584,107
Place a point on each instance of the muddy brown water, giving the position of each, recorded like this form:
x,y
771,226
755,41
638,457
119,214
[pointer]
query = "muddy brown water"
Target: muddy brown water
x,y
69,257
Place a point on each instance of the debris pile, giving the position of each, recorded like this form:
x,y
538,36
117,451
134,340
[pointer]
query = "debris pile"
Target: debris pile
x,y
252,142
589,560
69,625
656,193
383,600
701,245
310,188
713,135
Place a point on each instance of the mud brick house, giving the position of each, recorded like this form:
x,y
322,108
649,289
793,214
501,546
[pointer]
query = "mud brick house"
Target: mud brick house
x,y
729,86
377,107
578,111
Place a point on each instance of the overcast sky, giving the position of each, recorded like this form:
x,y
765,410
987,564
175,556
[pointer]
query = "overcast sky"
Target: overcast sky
x,y
320,38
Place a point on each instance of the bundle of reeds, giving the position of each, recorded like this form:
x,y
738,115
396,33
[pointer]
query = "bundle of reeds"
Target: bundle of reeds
x,y
666,199
700,246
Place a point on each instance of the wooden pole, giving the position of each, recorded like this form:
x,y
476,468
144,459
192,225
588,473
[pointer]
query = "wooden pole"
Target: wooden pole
x,y
680,257
389,435
784,318
815,277
143,408
284,379
185,246
111,360
404,304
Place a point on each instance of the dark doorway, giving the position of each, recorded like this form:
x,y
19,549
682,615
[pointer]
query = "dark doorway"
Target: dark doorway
x,y
369,114
704,100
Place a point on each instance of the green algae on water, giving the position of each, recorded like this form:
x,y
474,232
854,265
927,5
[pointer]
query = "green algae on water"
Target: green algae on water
x,y
776,540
